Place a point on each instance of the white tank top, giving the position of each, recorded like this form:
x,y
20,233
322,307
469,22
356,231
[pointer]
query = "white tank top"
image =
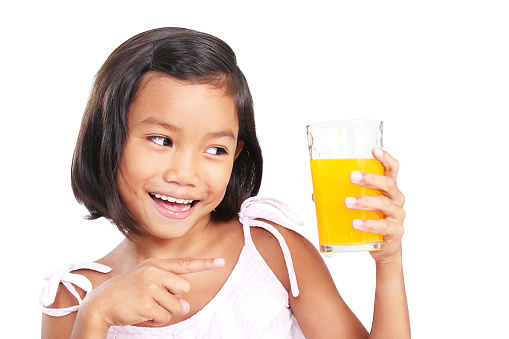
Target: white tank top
x,y
251,304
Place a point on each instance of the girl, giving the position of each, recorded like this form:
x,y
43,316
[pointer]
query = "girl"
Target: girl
x,y
168,152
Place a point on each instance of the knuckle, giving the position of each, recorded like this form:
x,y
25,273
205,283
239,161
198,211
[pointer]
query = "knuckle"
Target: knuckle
x,y
403,199
360,201
184,262
176,307
398,231
149,270
164,318
367,178
374,225
148,273
384,225
151,288
390,185
364,223
184,286
386,202
147,308
396,165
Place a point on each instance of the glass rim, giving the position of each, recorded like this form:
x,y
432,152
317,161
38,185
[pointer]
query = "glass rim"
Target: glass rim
x,y
343,121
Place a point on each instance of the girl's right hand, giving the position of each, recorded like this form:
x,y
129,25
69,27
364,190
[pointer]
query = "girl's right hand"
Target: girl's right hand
x,y
150,293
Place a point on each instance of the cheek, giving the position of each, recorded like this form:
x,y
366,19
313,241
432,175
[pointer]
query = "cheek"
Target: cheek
x,y
135,168
219,177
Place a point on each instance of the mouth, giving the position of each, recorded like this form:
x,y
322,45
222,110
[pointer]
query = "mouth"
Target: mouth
x,y
175,205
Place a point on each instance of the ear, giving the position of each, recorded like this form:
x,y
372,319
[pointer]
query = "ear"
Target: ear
x,y
240,145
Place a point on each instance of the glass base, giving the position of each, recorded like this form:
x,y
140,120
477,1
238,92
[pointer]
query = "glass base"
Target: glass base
x,y
376,246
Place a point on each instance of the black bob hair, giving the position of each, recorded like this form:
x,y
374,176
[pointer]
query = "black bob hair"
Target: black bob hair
x,y
184,54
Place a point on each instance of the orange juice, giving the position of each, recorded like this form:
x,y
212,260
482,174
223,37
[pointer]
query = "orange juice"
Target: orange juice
x,y
331,185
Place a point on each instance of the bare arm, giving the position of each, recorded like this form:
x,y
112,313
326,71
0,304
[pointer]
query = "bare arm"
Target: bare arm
x,y
60,327
322,313
79,324
89,325
320,310
390,317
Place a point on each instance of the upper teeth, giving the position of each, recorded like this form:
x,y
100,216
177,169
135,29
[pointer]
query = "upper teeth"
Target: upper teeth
x,y
171,199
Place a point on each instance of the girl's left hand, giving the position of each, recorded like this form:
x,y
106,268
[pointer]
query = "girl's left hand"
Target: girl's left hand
x,y
390,204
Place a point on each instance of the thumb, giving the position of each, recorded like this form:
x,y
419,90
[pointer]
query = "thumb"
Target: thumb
x,y
185,307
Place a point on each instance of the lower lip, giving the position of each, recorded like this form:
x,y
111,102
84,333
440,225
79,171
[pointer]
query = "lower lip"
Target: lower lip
x,y
170,213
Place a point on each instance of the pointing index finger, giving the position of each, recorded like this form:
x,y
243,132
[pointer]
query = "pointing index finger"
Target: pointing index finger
x,y
191,265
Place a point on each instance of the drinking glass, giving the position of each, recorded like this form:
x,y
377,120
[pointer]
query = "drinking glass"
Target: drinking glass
x,y
336,148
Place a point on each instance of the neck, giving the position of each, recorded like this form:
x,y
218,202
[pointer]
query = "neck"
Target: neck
x,y
142,247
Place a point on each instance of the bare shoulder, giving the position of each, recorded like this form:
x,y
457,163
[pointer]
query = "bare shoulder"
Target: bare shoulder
x,y
302,251
329,314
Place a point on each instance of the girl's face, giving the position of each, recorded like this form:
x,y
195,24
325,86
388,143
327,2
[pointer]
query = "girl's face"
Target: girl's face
x,y
179,154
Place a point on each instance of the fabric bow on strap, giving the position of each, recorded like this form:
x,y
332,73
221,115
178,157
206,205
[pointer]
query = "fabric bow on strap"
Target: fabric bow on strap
x,y
64,276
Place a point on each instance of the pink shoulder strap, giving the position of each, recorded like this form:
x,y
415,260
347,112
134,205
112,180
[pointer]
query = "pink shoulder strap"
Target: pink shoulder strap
x,y
256,208
64,276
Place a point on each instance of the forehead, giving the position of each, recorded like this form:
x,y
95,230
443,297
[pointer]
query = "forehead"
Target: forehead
x,y
182,102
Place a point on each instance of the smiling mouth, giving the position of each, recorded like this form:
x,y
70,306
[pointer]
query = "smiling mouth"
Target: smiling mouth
x,y
171,203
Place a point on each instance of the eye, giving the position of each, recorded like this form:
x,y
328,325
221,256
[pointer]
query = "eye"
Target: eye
x,y
215,150
162,141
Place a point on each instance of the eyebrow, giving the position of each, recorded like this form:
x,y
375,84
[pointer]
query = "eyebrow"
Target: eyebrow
x,y
153,121
222,134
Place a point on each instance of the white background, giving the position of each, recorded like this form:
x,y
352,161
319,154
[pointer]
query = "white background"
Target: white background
x,y
436,73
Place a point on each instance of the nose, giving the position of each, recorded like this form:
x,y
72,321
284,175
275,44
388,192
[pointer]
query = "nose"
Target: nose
x,y
183,169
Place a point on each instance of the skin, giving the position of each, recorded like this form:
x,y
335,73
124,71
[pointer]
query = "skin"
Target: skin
x,y
390,316
154,283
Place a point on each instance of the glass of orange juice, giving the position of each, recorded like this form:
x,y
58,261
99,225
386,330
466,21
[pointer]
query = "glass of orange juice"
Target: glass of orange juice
x,y
337,148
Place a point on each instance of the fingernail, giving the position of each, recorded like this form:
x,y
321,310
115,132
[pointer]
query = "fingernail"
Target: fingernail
x,y
355,176
350,201
185,307
378,152
357,224
219,262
